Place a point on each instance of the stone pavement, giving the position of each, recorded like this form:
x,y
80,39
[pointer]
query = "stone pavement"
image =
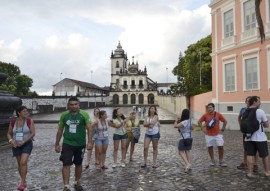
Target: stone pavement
x,y
44,170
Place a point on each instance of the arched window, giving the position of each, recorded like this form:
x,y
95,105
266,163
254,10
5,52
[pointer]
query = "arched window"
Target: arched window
x,y
125,99
133,99
117,64
115,99
141,98
151,99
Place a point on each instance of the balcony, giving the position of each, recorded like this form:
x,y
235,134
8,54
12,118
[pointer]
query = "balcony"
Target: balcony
x,y
250,34
229,41
124,87
140,86
132,86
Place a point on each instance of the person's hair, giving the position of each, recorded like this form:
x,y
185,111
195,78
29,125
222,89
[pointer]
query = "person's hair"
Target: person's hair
x,y
253,99
102,112
150,108
19,109
73,98
133,112
247,98
185,115
96,108
211,104
114,114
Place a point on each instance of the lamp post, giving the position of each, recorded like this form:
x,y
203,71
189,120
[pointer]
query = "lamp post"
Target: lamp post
x,y
200,68
95,100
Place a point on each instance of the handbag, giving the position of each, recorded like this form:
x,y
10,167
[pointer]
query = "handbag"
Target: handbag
x,y
187,141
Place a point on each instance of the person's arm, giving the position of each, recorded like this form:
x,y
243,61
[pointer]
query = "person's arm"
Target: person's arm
x,y
224,123
90,134
10,136
265,124
200,123
152,123
58,138
177,124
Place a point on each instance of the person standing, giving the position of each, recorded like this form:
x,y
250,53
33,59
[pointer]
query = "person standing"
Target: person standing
x,y
151,122
20,135
185,127
89,152
258,140
133,131
213,134
101,138
72,126
118,122
243,164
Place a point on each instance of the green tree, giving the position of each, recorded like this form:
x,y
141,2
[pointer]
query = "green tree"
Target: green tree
x,y
197,56
16,83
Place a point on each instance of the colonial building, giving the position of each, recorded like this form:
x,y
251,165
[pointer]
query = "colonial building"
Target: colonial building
x,y
70,87
129,84
240,57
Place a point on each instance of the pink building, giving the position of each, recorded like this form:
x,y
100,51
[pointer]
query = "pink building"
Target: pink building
x,y
240,62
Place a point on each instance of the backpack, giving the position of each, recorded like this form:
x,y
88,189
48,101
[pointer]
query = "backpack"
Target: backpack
x,y
13,121
249,123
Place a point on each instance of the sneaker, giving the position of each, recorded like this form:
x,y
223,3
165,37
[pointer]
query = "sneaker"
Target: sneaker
x,y
212,163
242,166
123,165
255,168
66,189
78,187
113,165
222,164
21,187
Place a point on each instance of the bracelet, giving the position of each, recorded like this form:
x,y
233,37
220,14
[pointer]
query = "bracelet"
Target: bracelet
x,y
10,140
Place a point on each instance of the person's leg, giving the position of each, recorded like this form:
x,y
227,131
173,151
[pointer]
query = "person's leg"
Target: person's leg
x,y
266,166
220,153
145,149
132,146
155,151
78,172
104,150
184,157
123,149
23,167
66,174
211,153
188,155
96,153
19,165
99,155
115,150
250,165
128,140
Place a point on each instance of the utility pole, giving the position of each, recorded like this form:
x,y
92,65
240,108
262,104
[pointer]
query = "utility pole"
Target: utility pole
x,y
200,68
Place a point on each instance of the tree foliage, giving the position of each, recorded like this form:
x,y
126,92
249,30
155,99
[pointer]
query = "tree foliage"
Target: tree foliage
x,y
16,83
188,69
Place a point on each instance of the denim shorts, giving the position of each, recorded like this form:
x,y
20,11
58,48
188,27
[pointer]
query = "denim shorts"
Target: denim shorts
x,y
26,148
117,137
101,141
155,136
72,155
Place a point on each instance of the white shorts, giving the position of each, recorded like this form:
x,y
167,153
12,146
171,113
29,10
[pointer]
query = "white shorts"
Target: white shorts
x,y
216,140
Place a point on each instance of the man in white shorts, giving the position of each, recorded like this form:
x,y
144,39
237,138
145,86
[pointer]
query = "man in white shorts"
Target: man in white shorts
x,y
213,135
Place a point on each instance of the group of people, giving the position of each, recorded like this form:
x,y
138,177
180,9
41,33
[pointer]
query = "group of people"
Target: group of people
x,y
80,133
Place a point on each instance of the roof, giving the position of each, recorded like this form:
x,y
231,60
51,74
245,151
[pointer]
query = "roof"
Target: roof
x,y
164,84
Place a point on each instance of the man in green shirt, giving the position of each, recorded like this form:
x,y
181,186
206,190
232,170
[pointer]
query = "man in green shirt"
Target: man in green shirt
x,y
72,126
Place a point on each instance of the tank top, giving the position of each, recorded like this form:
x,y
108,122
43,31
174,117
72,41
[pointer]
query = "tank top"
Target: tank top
x,y
155,129
21,133
101,132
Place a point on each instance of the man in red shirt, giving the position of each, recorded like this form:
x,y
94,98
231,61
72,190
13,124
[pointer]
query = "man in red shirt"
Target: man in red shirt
x,y
213,133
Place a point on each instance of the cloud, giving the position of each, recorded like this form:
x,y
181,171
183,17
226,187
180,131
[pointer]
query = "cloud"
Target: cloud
x,y
46,38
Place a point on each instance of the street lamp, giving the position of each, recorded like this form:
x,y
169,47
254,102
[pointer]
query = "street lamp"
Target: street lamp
x,y
200,68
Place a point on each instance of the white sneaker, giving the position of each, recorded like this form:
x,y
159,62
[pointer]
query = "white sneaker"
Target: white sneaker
x,y
123,165
212,163
113,165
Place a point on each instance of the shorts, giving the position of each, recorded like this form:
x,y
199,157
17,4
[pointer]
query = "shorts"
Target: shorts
x,y
99,142
26,148
155,136
182,147
117,137
216,140
72,155
254,146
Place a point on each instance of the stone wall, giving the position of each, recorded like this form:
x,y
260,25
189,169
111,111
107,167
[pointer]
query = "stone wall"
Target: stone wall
x,y
174,104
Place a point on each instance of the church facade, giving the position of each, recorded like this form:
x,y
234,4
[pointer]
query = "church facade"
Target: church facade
x,y
129,84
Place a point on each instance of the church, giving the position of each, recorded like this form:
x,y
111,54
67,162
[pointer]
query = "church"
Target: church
x,y
129,84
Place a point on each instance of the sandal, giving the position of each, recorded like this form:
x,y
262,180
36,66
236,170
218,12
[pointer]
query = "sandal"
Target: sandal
x,y
104,167
143,166
154,165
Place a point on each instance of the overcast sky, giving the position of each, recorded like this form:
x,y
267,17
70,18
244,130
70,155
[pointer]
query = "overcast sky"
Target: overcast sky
x,y
45,38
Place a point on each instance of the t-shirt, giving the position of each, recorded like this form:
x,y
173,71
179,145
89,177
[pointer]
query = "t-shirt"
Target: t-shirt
x,y
129,125
120,130
207,117
74,127
259,135
186,129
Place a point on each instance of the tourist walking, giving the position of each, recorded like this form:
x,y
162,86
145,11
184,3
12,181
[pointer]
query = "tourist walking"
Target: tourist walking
x,y
72,126
213,133
20,135
118,122
89,152
101,138
257,142
243,164
185,127
133,132
151,122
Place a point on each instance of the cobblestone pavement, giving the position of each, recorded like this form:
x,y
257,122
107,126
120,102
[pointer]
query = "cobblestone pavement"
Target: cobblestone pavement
x,y
44,170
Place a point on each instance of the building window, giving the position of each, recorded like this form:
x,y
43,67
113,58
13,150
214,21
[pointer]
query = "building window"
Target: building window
x,y
249,15
117,64
229,77
251,73
228,24
229,108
